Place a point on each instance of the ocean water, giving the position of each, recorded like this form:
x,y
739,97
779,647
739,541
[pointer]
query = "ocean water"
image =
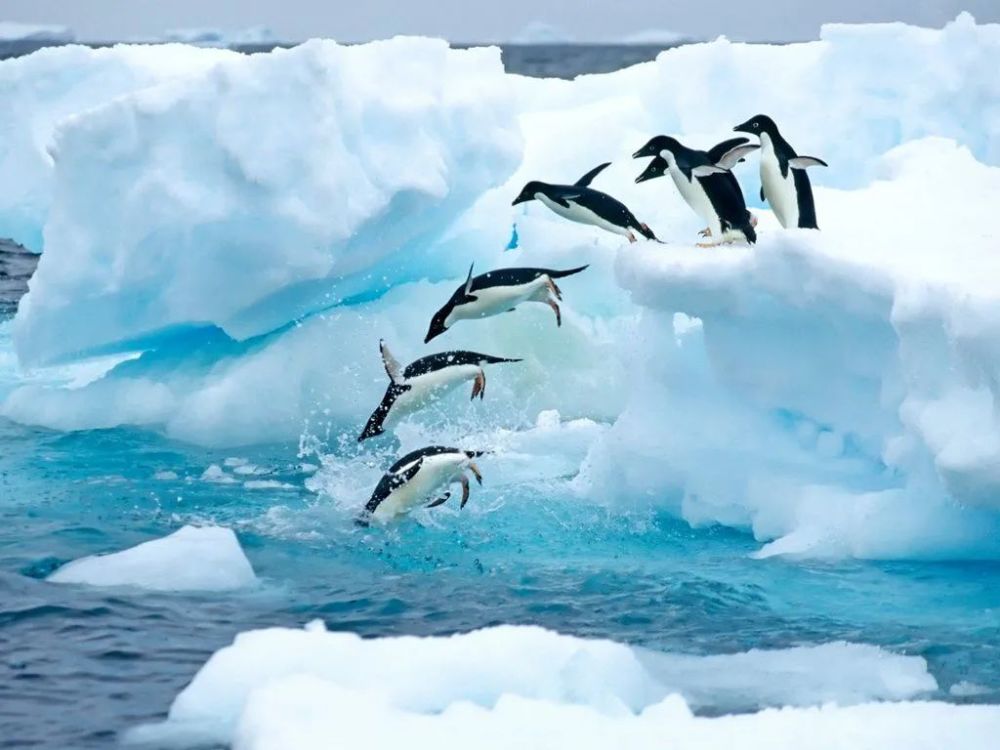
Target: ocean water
x,y
80,666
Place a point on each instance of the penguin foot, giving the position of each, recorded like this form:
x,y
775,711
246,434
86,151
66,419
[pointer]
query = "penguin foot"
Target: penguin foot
x,y
553,287
475,472
631,238
441,500
753,220
479,386
706,232
555,308
707,244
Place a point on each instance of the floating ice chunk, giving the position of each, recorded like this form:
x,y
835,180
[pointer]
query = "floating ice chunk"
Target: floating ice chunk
x,y
485,670
165,476
207,558
307,713
215,473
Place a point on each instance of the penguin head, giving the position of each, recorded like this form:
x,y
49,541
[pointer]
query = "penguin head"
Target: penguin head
x,y
440,322
529,191
657,145
756,125
656,168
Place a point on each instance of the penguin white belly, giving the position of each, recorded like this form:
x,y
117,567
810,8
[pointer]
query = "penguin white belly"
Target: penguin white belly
x,y
695,196
778,190
429,386
499,299
580,214
435,472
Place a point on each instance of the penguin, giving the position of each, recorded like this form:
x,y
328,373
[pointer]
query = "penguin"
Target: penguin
x,y
706,184
581,203
499,291
425,379
784,182
417,477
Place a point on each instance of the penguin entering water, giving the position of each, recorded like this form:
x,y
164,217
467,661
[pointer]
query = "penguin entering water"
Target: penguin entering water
x,y
423,380
499,291
581,203
705,182
784,182
416,478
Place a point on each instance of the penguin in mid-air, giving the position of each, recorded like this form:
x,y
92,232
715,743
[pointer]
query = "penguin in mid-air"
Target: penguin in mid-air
x,y
423,380
581,203
416,478
783,179
706,184
499,291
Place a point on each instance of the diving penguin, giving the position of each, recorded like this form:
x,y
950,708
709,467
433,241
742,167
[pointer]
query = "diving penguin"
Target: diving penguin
x,y
417,477
581,203
423,380
784,182
499,291
705,182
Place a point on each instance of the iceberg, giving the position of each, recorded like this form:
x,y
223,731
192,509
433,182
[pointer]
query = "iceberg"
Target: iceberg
x,y
264,220
12,31
484,674
219,37
42,90
206,558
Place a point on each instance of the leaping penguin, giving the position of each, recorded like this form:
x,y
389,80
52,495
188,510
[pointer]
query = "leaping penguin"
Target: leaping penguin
x,y
705,182
417,477
581,203
423,380
499,291
784,182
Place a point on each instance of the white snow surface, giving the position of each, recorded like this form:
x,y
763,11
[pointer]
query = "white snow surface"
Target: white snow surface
x,y
13,31
258,692
205,558
255,246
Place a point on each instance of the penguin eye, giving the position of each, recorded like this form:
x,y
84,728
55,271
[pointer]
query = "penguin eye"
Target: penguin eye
x,y
756,126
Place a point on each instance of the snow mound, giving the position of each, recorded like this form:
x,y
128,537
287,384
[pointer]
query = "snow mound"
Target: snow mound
x,y
11,31
207,558
846,379
40,90
267,188
485,670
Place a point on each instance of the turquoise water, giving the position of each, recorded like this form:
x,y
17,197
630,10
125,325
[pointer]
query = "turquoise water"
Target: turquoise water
x,y
79,666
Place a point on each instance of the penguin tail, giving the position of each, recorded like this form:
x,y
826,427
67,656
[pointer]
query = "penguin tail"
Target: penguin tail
x,y
568,272
749,232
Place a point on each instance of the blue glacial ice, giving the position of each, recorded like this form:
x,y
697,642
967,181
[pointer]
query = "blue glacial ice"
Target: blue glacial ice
x,y
234,257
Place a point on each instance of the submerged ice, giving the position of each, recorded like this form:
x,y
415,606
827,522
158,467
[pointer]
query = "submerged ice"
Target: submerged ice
x,y
834,393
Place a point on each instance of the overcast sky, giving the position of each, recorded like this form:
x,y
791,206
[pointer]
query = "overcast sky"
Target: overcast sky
x,y
483,20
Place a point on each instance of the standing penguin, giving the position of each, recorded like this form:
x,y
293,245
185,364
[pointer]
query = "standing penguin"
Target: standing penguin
x,y
581,203
416,477
705,182
499,291
423,380
784,182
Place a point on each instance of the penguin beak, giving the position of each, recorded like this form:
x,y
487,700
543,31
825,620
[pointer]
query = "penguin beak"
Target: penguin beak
x,y
644,151
743,128
522,198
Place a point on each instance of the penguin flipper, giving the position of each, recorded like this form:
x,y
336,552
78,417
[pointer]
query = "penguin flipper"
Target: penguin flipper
x,y
706,170
392,368
735,155
804,162
762,193
719,149
440,501
588,178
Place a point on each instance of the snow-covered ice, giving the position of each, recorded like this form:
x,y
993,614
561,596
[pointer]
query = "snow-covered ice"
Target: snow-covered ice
x,y
267,689
846,379
206,558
